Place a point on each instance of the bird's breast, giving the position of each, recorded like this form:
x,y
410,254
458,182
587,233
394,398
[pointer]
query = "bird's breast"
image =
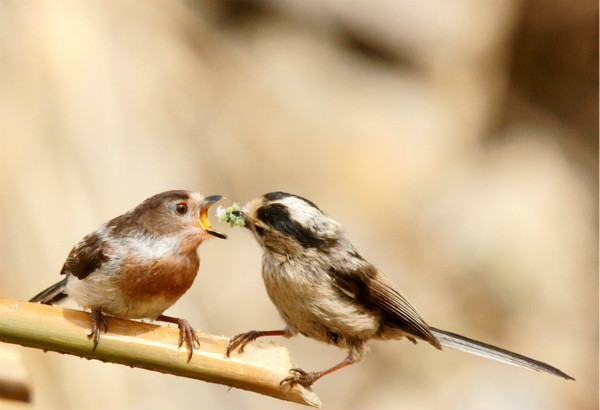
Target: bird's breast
x,y
308,302
166,278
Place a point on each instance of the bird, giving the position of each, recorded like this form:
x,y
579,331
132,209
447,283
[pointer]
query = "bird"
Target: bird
x,y
138,264
325,290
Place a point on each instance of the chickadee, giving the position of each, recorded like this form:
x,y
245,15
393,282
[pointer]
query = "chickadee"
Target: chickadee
x,y
324,289
138,264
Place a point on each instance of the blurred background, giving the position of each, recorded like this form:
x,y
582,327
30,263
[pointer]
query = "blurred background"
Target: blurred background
x,y
456,140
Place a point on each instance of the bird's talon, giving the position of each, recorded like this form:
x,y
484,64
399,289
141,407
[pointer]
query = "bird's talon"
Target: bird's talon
x,y
300,377
181,338
241,340
233,343
97,316
189,335
195,337
104,321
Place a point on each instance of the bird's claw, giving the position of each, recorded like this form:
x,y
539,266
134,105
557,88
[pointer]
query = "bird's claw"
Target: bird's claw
x,y
97,316
301,377
188,335
241,340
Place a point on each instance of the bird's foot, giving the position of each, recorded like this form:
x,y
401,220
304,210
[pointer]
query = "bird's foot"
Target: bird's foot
x,y
97,316
241,340
301,377
188,335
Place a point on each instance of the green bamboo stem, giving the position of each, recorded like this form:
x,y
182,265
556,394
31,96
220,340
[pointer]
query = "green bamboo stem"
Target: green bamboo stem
x,y
260,368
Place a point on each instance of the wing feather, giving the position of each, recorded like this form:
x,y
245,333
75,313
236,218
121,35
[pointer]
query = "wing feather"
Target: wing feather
x,y
86,256
370,287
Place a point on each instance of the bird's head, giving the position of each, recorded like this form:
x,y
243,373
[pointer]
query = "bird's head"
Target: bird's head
x,y
177,213
290,225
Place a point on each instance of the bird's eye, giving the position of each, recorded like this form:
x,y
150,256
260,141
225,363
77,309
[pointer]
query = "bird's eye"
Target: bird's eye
x,y
181,208
259,230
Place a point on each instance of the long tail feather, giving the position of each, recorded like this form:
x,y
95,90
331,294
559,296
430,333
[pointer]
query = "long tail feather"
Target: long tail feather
x,y
51,295
465,344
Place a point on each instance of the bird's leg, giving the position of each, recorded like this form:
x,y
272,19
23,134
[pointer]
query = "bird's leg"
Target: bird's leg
x,y
186,332
243,338
96,317
306,379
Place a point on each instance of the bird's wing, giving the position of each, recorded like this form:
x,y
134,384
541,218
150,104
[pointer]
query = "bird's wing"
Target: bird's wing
x,y
86,256
370,287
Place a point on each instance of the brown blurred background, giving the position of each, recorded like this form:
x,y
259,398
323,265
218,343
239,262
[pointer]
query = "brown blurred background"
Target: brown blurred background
x,y
456,140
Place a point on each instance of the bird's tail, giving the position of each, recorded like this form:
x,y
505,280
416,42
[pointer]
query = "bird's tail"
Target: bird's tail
x,y
465,344
51,295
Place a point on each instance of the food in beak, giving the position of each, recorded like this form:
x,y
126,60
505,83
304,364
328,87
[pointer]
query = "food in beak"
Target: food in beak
x,y
203,218
232,215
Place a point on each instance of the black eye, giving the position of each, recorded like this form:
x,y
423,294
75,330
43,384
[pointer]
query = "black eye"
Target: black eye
x,y
181,208
259,230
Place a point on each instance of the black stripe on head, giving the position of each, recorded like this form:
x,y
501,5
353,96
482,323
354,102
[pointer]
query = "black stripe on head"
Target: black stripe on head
x,y
278,216
275,196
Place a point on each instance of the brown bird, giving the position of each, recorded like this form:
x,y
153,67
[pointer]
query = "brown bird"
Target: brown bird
x,y
137,265
324,289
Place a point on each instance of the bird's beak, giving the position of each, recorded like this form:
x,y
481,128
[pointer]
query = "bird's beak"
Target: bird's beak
x,y
203,219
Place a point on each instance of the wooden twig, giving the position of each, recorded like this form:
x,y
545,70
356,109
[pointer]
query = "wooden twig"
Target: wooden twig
x,y
260,368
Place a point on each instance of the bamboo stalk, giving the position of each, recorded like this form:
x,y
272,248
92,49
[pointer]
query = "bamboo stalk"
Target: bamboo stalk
x,y
260,368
